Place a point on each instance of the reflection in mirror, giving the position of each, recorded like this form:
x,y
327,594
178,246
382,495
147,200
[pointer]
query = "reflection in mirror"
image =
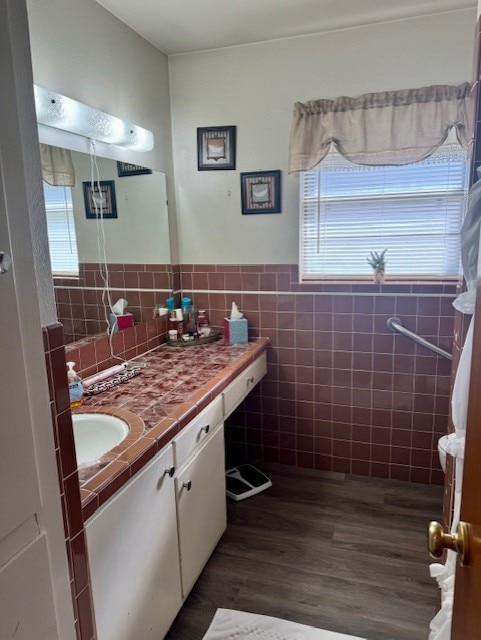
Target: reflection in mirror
x,y
137,248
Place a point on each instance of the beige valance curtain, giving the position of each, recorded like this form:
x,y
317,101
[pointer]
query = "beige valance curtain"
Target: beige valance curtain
x,y
385,128
57,166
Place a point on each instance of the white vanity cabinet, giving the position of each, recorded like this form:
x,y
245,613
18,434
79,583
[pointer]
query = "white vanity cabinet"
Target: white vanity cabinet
x,y
134,558
201,506
148,544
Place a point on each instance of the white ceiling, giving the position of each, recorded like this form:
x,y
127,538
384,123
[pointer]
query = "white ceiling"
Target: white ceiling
x,y
181,26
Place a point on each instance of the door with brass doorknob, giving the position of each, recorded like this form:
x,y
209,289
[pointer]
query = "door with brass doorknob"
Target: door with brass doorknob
x,y
466,541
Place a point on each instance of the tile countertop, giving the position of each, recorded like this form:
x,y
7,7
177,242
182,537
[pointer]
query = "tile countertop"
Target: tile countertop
x,y
175,384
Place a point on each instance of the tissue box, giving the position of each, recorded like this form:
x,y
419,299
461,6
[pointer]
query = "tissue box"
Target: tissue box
x,y
124,321
235,331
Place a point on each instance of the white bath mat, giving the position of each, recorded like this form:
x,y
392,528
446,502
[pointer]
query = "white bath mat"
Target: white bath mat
x,y
239,625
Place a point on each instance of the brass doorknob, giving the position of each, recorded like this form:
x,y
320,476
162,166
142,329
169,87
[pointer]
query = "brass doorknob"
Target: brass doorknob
x,y
459,541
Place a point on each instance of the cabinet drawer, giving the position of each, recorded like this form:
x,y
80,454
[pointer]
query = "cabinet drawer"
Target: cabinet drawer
x,y
190,438
243,384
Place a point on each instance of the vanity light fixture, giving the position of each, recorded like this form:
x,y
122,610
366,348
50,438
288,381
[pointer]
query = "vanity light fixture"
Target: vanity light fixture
x,y
55,110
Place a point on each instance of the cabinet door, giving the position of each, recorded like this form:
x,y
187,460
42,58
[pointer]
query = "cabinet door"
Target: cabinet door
x,y
201,508
134,557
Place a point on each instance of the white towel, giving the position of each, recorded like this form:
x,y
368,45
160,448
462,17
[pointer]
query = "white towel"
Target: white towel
x,y
239,625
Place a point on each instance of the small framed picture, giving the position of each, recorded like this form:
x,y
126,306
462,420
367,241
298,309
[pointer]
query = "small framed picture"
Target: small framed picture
x,y
100,200
261,192
126,169
216,148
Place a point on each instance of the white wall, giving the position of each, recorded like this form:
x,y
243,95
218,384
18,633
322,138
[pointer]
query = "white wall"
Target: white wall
x,y
81,50
254,87
140,233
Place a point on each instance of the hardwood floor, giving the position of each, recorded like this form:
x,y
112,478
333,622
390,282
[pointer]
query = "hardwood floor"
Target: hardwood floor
x,y
338,552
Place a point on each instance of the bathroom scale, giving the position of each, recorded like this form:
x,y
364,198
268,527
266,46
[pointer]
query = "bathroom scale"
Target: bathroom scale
x,y
245,481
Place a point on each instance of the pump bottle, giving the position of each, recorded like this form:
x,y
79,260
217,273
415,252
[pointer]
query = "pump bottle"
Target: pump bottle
x,y
75,386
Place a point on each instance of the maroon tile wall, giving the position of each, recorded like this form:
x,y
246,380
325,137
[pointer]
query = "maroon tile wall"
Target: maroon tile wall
x,y
342,392
79,300
69,482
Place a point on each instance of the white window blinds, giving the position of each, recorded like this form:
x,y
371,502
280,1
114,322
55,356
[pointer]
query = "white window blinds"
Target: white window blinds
x,y
61,230
415,211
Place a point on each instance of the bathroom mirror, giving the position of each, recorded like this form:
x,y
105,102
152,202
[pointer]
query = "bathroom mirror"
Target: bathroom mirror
x,y
136,246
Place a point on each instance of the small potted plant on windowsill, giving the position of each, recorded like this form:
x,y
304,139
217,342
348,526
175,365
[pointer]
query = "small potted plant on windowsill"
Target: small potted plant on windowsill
x,y
378,262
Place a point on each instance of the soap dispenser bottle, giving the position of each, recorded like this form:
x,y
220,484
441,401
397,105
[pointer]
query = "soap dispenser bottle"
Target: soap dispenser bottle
x,y
75,386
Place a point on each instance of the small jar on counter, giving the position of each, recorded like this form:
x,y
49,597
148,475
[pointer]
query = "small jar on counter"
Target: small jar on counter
x,y
203,324
202,320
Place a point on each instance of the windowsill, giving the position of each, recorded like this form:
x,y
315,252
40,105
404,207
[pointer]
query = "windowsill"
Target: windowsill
x,y
446,287
387,281
59,279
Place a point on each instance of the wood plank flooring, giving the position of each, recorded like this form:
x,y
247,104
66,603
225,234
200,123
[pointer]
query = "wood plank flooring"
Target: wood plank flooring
x,y
338,552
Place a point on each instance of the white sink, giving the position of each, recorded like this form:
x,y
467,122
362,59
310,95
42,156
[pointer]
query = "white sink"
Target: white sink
x,y
95,434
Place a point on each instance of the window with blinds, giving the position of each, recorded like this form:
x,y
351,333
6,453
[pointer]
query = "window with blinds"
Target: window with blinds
x,y
61,230
415,211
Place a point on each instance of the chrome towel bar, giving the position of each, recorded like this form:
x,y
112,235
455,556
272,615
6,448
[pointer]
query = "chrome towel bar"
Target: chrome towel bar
x,y
395,324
